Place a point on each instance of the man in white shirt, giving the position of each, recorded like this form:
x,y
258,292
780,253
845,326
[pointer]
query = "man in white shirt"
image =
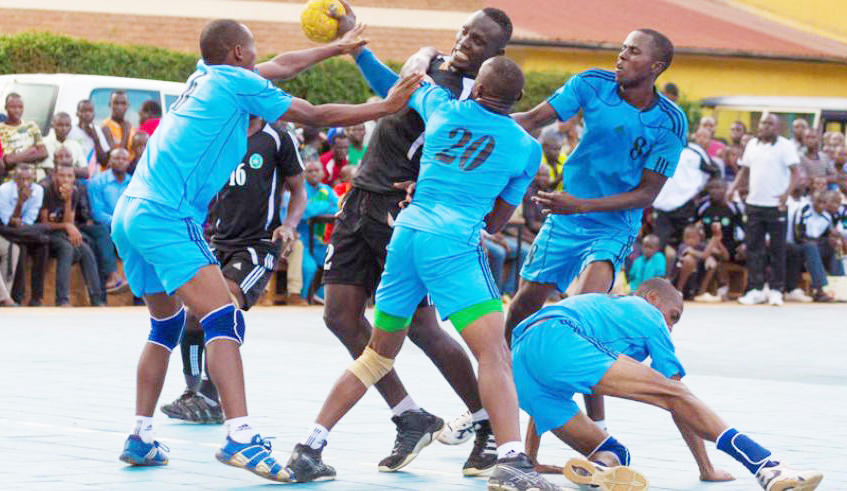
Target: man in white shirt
x,y
770,165
58,137
95,147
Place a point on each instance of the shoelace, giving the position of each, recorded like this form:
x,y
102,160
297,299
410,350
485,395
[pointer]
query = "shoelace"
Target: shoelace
x,y
162,446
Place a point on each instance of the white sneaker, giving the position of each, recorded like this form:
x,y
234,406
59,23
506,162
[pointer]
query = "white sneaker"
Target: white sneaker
x,y
593,476
797,295
458,431
753,297
707,297
783,478
775,298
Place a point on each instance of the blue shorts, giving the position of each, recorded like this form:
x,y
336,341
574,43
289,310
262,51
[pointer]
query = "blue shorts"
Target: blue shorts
x,y
455,273
552,360
161,250
563,248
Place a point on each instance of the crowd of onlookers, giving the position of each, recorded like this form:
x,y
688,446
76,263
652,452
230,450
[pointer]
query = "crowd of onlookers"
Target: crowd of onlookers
x,y
746,214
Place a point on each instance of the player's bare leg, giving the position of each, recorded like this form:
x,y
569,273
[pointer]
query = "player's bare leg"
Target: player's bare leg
x,y
153,364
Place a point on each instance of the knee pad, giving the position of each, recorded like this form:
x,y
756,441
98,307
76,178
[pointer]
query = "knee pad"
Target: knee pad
x,y
167,332
612,445
226,322
370,367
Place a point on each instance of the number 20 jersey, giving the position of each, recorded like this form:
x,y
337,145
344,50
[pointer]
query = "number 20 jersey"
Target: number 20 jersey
x,y
619,142
471,157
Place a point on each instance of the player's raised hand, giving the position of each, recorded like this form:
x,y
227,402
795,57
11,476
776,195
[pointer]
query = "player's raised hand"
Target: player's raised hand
x,y
400,93
351,39
285,235
557,202
346,22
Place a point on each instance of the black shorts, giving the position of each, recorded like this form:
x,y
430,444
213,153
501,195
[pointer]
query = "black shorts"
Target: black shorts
x,y
250,268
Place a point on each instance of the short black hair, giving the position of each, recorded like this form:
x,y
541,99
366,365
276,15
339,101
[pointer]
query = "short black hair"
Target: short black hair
x,y
12,94
502,20
507,79
662,46
80,103
153,108
218,37
672,89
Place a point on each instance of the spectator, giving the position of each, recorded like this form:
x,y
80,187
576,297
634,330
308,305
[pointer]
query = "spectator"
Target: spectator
x,y
345,183
713,147
715,210
770,165
840,163
336,158
794,259
117,129
671,91
58,137
811,160
21,140
812,230
530,210
9,252
139,144
294,260
650,264
312,144
106,188
148,117
552,159
736,131
356,148
320,200
798,131
95,147
64,206
731,156
745,140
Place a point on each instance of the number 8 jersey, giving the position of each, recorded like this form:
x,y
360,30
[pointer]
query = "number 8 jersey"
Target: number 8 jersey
x,y
471,157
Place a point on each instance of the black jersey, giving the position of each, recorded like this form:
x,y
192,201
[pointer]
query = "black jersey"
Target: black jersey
x,y
394,151
246,210
730,219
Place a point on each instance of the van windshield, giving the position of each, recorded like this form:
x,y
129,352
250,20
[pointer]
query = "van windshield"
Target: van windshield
x,y
39,100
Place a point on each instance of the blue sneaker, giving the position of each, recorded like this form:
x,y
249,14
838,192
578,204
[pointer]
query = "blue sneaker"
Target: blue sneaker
x,y
254,456
136,452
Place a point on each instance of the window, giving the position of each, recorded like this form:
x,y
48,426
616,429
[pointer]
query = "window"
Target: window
x,y
39,100
136,97
169,99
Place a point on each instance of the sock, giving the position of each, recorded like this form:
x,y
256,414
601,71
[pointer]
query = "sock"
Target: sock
x,y
240,430
480,415
143,427
316,437
509,450
743,449
407,404
191,347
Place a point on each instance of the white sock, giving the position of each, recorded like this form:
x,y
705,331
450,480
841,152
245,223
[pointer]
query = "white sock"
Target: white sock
x,y
316,437
601,424
240,430
143,427
509,449
407,404
480,415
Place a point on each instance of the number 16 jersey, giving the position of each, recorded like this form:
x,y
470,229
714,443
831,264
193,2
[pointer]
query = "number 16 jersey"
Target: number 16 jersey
x,y
471,157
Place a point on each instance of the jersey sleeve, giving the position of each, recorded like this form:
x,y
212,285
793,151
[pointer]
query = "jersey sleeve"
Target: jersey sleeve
x,y
426,100
664,157
661,349
567,100
517,186
258,96
288,157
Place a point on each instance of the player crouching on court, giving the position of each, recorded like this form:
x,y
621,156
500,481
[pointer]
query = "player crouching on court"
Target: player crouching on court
x,y
593,344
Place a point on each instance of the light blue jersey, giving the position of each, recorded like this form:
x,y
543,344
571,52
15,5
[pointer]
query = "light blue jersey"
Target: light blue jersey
x,y
203,137
619,142
471,157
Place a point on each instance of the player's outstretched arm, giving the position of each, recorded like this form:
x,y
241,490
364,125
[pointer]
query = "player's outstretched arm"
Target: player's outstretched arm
x,y
499,216
301,111
287,65
641,197
536,118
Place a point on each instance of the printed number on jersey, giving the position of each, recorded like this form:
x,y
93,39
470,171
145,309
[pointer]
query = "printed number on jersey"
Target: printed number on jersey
x,y
470,152
238,176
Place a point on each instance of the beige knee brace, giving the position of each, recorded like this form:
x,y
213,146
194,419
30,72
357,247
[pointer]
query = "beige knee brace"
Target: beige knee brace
x,y
370,367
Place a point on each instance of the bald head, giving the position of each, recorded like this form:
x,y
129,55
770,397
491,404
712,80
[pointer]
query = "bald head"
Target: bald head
x,y
219,37
661,294
499,84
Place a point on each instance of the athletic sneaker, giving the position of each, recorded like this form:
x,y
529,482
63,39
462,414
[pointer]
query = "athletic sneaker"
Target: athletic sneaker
x,y
458,431
254,457
707,297
797,295
753,297
483,457
306,465
415,430
783,478
136,452
516,474
775,298
194,408
591,475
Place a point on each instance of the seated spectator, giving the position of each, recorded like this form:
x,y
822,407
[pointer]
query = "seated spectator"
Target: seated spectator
x,y
698,259
58,137
816,164
117,129
9,253
95,147
139,144
715,210
812,229
106,188
650,264
22,141
356,148
345,183
531,211
336,158
294,260
551,158
65,205
320,200
794,260
148,117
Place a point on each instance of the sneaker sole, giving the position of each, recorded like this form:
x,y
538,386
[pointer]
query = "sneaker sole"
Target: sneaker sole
x,y
422,443
477,472
240,462
140,463
797,484
619,478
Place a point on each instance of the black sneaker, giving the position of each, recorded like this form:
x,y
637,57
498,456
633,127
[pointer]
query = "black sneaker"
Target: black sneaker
x,y
483,457
193,408
516,474
305,465
415,430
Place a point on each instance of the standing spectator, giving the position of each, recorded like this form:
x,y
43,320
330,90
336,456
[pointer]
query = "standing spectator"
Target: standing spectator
x,y
117,129
736,131
9,252
713,147
320,200
794,259
356,148
139,144
650,264
58,137
671,91
64,204
770,165
551,145
731,156
336,158
148,118
798,131
814,163
717,210
21,140
95,147
812,229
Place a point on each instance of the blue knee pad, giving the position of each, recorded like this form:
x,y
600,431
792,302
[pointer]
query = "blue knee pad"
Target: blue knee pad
x,y
226,322
167,332
612,445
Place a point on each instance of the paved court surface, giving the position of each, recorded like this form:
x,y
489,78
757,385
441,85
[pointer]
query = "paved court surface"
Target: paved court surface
x,y
67,391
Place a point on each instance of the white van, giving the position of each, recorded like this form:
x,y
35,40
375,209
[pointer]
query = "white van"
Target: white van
x,y
47,94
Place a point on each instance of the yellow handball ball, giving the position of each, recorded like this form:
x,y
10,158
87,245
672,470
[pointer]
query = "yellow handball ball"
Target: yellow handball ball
x,y
316,22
